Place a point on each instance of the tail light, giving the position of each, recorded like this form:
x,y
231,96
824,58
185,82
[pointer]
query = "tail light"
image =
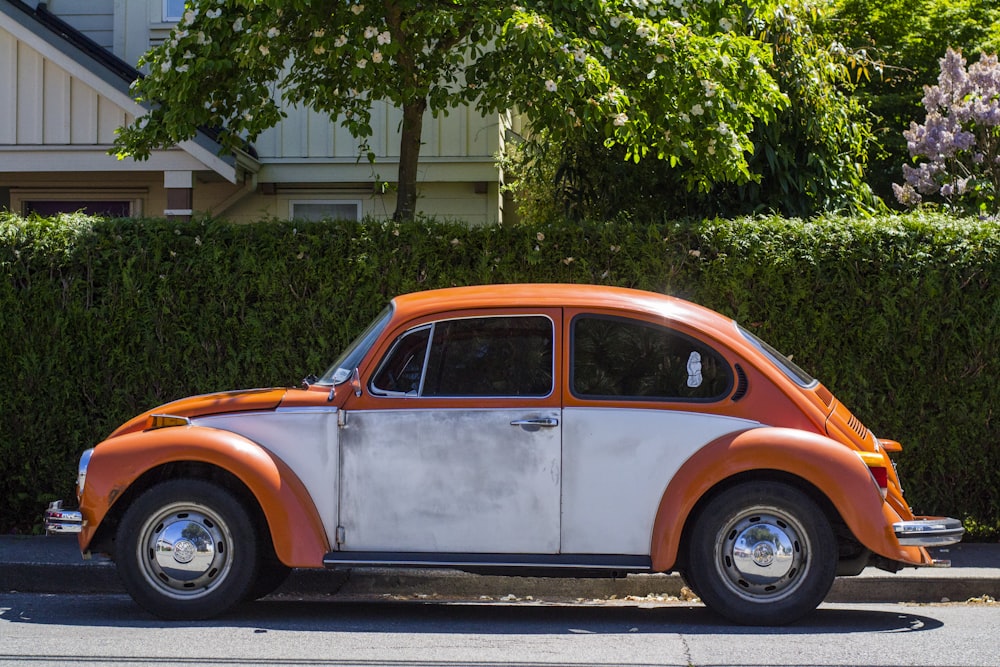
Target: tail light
x,y
876,463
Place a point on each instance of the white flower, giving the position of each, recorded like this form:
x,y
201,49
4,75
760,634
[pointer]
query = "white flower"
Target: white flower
x,y
642,30
182,68
273,32
616,21
697,110
188,55
725,24
579,55
340,41
264,50
620,119
384,37
319,33
213,13
238,25
362,63
550,85
607,51
189,17
370,32
165,66
319,50
357,9
376,56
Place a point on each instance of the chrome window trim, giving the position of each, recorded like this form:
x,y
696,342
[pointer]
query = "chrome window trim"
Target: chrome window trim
x,y
384,393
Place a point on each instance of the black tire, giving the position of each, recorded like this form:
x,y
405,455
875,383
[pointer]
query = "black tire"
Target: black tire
x,y
762,554
271,575
186,549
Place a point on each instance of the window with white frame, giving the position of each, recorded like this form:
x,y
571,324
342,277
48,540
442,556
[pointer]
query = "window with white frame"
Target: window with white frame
x,y
173,10
323,209
120,203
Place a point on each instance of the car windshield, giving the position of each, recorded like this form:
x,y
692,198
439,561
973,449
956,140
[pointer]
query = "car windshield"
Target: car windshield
x,y
787,366
349,359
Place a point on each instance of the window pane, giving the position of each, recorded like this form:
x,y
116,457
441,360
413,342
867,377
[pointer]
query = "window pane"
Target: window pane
x,y
490,356
173,10
618,358
401,370
107,209
314,211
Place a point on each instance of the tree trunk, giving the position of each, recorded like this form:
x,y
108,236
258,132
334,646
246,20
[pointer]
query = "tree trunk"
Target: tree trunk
x,y
409,156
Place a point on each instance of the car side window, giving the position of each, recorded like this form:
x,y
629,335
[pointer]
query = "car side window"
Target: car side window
x,y
479,356
619,358
402,370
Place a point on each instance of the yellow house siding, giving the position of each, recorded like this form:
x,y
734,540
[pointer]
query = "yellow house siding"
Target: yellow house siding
x,y
8,82
44,105
94,18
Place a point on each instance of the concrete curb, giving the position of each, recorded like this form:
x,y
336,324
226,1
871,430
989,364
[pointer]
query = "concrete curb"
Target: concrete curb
x,y
53,565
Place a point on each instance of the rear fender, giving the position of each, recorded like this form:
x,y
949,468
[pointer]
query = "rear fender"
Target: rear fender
x,y
296,530
835,470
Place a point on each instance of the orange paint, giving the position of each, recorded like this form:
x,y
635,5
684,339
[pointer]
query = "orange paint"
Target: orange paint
x,y
299,539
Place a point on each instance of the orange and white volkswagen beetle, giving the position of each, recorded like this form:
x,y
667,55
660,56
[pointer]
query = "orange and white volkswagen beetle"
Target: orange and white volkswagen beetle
x,y
564,430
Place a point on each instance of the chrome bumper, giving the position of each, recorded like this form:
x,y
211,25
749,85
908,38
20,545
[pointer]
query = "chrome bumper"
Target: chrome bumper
x,y
928,532
58,520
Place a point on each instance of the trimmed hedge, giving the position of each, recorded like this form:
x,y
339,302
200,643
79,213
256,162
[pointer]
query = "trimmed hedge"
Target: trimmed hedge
x,y
899,316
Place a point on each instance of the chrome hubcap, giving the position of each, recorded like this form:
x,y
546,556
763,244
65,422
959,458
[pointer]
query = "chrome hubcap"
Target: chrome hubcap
x,y
185,550
761,555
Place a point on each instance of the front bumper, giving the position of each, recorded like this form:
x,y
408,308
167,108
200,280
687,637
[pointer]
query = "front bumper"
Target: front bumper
x,y
928,532
58,520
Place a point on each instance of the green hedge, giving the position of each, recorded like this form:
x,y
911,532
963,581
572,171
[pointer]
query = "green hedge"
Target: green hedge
x,y
899,316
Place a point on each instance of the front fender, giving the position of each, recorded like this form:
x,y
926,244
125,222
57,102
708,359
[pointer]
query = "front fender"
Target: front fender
x,y
296,530
835,470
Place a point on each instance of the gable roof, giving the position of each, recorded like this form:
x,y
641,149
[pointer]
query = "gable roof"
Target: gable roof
x,y
106,74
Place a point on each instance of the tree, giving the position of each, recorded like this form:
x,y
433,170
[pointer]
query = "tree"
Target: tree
x,y
907,38
672,79
809,159
959,139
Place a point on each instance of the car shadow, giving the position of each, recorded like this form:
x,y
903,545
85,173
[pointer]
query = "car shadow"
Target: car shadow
x,y
438,617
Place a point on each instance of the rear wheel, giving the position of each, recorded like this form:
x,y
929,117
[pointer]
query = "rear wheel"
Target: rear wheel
x,y
762,554
187,549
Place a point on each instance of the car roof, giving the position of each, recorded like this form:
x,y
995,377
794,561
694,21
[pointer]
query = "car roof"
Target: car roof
x,y
556,295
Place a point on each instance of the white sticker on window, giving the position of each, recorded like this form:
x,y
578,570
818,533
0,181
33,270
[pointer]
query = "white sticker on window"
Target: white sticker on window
x,y
694,370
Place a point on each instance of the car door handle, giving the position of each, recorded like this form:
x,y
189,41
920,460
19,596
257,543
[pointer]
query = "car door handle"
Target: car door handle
x,y
542,421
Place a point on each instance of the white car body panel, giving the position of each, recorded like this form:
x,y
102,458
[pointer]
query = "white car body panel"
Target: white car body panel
x,y
461,481
306,440
617,463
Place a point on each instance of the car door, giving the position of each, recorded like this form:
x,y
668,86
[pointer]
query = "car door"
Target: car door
x,y
642,397
454,445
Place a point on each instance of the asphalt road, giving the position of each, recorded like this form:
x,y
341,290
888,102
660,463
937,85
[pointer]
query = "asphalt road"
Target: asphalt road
x,y
53,629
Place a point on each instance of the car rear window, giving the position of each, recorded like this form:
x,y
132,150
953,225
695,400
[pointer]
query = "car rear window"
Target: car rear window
x,y
621,358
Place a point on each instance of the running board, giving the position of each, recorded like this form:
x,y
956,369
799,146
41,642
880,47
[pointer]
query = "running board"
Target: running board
x,y
565,565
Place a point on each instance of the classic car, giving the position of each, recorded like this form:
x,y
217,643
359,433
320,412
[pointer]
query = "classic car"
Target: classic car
x,y
557,430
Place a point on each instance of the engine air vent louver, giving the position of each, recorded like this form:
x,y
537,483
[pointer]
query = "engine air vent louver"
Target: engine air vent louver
x,y
857,427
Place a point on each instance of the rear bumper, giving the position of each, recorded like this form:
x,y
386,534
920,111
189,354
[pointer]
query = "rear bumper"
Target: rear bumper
x,y
58,520
928,532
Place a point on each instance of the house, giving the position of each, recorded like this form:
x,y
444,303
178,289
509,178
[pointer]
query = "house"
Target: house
x,y
65,71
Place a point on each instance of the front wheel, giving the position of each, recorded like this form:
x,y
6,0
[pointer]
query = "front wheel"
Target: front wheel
x,y
762,554
186,549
